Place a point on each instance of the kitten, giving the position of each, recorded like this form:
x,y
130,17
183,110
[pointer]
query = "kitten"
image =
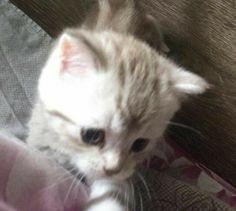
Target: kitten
x,y
105,99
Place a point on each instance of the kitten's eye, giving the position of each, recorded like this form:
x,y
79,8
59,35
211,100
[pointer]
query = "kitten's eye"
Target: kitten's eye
x,y
139,144
92,136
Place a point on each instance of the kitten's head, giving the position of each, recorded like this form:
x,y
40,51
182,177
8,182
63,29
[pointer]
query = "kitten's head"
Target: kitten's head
x,y
109,98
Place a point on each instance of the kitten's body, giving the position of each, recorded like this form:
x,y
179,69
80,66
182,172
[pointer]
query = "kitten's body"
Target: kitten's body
x,y
106,76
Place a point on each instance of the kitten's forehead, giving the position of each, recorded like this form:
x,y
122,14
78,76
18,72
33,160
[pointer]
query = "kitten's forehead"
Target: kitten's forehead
x,y
133,69
139,85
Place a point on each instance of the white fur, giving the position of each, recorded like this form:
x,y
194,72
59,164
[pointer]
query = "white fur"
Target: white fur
x,y
87,109
189,83
101,187
107,205
98,189
112,159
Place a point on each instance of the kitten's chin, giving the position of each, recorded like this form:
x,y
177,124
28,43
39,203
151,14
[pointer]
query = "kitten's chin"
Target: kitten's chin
x,y
116,178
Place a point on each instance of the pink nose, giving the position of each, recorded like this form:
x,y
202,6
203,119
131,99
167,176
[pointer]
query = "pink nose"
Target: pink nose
x,y
110,172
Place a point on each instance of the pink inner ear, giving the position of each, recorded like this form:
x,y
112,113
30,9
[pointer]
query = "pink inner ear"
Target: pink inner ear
x,y
75,57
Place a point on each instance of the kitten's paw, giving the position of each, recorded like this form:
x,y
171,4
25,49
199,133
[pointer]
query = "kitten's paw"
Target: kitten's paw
x,y
105,205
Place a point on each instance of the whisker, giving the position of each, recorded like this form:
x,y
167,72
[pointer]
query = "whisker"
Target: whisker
x,y
61,180
129,202
186,127
124,198
133,195
141,200
145,185
78,184
116,195
65,171
71,187
127,198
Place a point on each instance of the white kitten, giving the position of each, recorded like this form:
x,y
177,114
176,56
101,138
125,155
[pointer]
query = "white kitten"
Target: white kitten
x,y
105,98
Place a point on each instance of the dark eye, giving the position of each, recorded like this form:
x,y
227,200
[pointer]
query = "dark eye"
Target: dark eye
x,y
93,136
139,144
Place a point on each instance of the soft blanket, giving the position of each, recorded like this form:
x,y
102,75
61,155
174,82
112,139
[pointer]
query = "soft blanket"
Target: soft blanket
x,y
29,182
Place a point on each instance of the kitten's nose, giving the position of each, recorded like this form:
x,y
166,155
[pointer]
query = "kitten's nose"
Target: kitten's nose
x,y
111,171
112,163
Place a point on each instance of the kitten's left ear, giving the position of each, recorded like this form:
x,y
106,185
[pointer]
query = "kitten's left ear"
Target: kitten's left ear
x,y
185,82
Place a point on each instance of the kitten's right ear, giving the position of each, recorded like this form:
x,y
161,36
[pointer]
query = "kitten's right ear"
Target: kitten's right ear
x,y
187,83
74,56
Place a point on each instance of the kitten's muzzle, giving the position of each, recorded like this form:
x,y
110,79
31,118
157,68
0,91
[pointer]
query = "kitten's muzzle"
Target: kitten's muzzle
x,y
111,172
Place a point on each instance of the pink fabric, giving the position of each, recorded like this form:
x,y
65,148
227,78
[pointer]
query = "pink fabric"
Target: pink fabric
x,y
31,183
171,159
